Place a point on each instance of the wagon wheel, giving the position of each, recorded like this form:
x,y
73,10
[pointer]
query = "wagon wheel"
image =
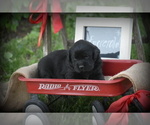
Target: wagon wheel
x,y
36,119
98,110
97,106
35,106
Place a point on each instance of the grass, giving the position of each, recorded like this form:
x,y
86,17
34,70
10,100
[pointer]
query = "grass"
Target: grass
x,y
22,52
19,52
77,103
73,104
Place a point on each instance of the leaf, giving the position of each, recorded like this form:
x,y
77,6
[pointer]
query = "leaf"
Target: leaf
x,y
8,55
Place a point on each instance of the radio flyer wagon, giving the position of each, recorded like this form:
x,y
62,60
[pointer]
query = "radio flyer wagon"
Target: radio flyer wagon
x,y
104,88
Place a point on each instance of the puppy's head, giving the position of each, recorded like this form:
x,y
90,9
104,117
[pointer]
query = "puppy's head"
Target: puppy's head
x,y
83,55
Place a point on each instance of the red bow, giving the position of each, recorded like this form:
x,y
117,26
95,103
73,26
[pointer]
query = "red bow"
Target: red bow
x,y
122,104
42,18
56,19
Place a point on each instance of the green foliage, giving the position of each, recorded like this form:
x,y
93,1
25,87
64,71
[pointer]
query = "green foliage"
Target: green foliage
x,y
14,5
72,103
57,43
10,21
17,5
133,52
19,52
146,51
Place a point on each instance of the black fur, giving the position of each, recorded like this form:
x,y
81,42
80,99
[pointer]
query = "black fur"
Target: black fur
x,y
81,61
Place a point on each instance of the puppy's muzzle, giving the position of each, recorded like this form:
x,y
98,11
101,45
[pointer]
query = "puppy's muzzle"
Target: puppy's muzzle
x,y
81,67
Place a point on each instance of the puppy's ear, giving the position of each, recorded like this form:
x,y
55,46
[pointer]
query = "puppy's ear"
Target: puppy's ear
x,y
96,54
69,57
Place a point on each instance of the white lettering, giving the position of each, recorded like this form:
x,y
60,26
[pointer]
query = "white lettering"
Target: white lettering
x,y
41,86
49,86
69,87
86,88
75,87
111,43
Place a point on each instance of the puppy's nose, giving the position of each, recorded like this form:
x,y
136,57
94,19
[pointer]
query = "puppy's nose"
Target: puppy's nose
x,y
81,67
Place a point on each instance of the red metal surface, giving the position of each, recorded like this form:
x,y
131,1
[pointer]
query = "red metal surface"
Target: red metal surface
x,y
112,67
85,87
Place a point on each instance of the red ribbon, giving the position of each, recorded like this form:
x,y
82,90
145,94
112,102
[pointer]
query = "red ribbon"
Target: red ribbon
x,y
122,104
56,19
41,7
42,18
118,119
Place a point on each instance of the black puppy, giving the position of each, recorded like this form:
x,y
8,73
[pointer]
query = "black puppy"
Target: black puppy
x,y
81,61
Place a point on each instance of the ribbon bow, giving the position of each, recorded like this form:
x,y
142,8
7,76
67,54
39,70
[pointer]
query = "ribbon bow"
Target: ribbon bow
x,y
42,18
56,19
121,105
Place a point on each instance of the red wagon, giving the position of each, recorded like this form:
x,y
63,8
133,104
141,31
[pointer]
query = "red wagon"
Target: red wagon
x,y
107,88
